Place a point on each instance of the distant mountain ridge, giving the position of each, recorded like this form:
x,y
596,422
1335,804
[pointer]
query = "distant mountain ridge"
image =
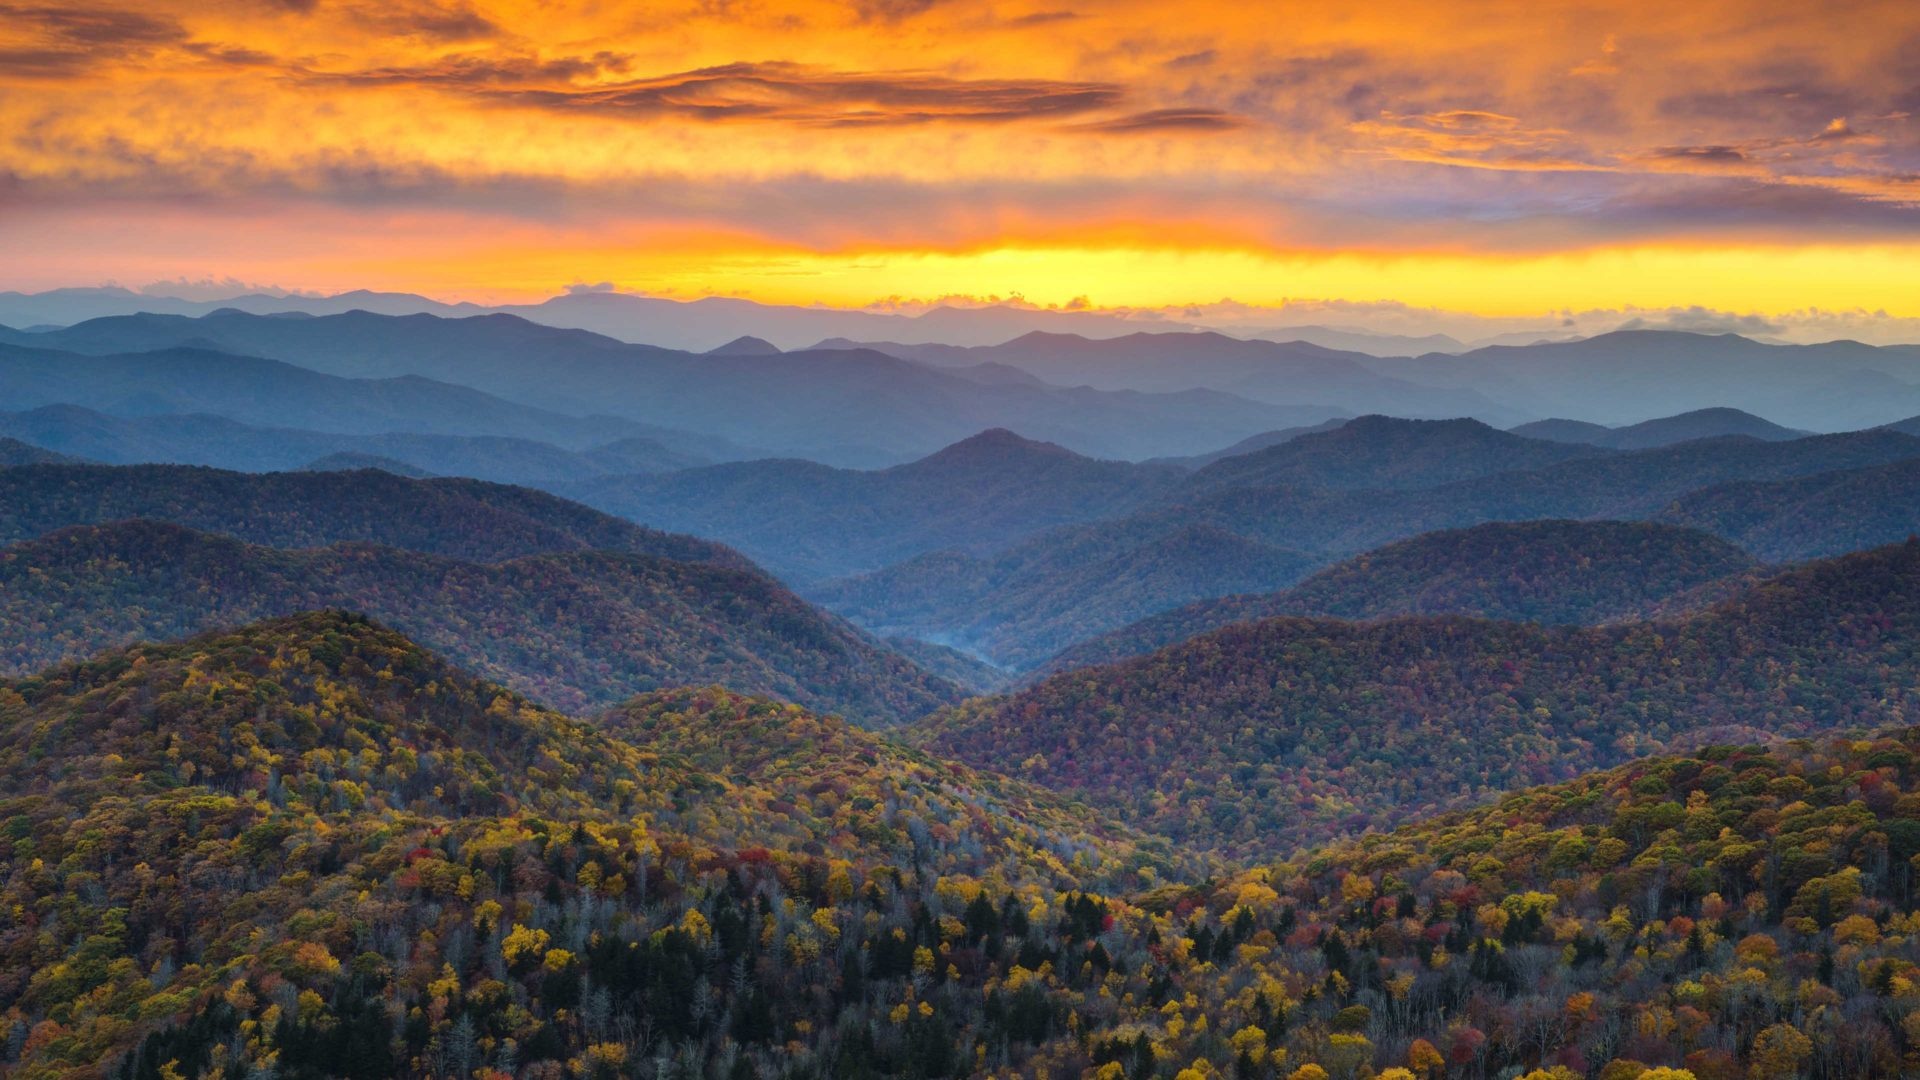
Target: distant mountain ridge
x,y
270,393
806,520
1384,453
1609,378
841,406
696,325
219,442
1295,372
1664,431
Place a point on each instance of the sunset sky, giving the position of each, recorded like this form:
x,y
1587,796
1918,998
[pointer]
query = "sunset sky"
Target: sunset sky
x,y
1480,157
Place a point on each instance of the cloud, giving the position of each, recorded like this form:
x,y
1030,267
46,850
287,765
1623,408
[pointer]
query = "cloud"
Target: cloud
x,y
1703,155
480,73
1475,139
892,10
768,92
1041,18
427,20
1700,320
46,41
1159,121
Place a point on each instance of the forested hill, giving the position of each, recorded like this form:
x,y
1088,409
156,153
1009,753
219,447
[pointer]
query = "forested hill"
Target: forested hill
x,y
574,629
1554,572
465,519
313,848
1263,736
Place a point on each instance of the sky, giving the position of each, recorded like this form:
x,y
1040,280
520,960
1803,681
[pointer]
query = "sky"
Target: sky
x,y
1494,158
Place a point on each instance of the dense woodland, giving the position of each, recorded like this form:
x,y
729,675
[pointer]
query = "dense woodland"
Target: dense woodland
x,y
313,849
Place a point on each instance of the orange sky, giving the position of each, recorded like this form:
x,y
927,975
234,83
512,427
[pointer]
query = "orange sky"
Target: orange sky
x,y
1495,157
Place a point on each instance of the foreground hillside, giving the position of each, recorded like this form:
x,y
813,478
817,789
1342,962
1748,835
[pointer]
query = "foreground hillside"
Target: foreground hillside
x,y
574,629
1733,913
1554,572
311,849
1263,736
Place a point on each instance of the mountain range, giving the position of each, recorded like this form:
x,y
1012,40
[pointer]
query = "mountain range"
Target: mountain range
x,y
702,325
1609,379
1284,373
205,439
843,406
806,521
1343,492
1448,744
1662,431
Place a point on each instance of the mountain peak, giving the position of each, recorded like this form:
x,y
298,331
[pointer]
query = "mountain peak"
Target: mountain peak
x,y
997,446
746,345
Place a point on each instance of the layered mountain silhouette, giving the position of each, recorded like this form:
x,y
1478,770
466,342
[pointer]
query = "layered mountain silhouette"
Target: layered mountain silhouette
x,y
845,406
1286,373
995,603
806,520
1611,378
1664,431
204,439
270,393
1380,453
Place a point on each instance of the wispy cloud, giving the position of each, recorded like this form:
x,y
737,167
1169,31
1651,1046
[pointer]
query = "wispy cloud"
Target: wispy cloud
x,y
769,92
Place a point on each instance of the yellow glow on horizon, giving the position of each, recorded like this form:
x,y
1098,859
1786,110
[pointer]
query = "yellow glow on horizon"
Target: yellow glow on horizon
x,y
1763,279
